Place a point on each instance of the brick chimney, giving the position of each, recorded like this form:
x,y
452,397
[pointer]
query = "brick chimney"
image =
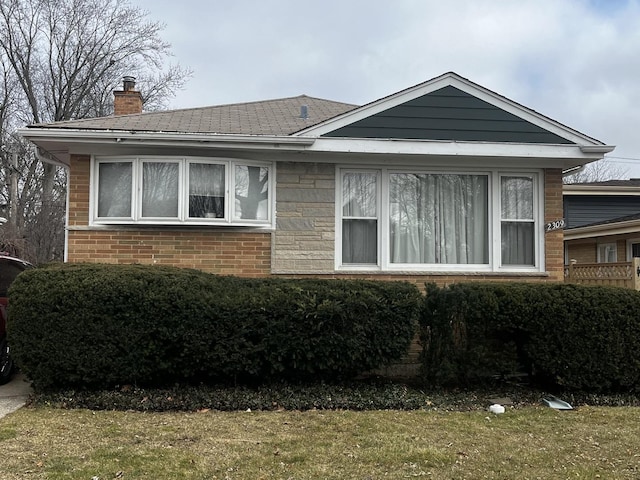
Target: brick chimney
x,y
127,100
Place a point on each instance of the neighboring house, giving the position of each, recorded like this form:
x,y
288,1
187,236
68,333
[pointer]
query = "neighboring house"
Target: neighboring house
x,y
444,181
602,221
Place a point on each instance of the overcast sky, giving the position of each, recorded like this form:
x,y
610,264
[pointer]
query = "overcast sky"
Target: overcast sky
x,y
576,61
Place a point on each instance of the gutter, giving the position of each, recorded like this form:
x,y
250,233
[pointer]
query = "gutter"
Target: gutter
x,y
605,229
59,135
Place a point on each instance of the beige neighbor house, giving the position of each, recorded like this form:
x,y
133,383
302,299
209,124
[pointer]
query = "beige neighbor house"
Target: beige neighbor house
x,y
444,181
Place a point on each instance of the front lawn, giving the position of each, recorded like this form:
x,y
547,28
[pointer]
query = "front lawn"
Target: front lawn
x,y
525,443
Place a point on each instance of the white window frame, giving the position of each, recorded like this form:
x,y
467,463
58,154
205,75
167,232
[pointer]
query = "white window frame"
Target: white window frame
x,y
538,213
183,192
493,214
339,217
630,243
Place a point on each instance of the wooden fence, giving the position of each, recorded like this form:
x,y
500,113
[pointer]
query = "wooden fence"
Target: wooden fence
x,y
619,274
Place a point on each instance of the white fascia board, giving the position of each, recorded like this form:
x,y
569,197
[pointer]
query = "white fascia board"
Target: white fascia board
x,y
597,190
449,148
454,80
603,230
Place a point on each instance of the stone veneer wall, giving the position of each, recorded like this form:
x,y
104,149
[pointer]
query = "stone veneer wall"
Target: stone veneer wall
x,y
305,214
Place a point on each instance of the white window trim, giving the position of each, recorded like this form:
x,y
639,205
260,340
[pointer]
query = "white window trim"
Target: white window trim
x,y
338,216
183,189
494,219
630,242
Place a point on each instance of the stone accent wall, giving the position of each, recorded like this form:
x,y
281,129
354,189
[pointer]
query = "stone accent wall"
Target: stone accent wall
x,y
305,210
553,210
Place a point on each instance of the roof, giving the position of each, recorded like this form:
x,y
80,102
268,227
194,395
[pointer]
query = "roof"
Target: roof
x,y
470,124
269,117
632,182
629,187
625,218
628,224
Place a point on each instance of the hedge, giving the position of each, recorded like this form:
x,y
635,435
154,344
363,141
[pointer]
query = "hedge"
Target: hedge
x,y
105,325
576,337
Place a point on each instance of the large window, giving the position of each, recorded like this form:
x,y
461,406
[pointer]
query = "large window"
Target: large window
x,y
412,220
438,219
181,190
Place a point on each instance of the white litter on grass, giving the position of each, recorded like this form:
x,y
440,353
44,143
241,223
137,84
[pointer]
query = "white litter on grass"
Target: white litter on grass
x,y
497,409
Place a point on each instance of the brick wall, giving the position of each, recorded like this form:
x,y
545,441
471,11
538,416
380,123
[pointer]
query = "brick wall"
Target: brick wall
x,y
246,254
583,251
554,240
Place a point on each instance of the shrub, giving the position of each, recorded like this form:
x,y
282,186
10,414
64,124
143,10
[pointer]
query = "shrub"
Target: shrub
x,y
105,325
571,336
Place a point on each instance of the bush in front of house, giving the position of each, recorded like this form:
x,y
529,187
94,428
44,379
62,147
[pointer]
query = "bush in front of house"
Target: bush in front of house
x,y
104,325
569,336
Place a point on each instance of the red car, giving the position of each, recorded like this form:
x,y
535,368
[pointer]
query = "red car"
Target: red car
x,y
9,269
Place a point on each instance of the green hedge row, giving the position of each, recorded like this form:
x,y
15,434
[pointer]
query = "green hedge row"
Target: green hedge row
x,y
105,325
576,337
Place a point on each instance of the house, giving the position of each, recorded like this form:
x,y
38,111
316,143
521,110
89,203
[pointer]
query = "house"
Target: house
x,y
443,181
602,221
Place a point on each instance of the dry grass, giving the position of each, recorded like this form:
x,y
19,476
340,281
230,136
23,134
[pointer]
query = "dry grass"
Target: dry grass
x,y
524,443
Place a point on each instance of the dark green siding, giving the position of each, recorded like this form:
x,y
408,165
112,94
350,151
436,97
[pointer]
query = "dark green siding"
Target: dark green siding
x,y
581,210
448,114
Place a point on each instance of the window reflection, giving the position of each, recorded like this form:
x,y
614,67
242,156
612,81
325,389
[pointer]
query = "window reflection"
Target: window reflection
x,y
252,193
160,189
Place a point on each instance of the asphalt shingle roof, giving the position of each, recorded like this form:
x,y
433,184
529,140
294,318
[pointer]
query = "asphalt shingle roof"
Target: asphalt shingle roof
x,y
270,117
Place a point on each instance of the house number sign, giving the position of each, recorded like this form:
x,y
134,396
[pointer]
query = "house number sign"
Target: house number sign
x,y
555,225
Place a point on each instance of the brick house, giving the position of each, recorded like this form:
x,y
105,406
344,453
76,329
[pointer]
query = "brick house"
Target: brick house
x,y
443,181
602,221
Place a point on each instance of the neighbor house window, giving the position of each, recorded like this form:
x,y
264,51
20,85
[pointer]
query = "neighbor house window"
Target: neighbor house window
x,y
424,220
181,190
607,252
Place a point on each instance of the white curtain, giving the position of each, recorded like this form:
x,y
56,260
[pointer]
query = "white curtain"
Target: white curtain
x,y
206,190
516,206
439,219
359,218
114,189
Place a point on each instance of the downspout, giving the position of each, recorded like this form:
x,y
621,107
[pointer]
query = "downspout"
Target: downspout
x,y
46,157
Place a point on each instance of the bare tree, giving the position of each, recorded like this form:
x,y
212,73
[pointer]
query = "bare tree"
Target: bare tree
x,y
61,60
597,172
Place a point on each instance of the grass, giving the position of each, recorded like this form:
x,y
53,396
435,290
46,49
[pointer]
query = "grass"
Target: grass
x,y
526,443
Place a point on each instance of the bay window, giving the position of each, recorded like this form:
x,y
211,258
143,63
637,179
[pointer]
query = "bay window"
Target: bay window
x,y
181,191
424,220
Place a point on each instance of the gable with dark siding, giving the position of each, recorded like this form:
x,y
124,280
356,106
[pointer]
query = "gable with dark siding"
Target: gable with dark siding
x,y
448,114
582,210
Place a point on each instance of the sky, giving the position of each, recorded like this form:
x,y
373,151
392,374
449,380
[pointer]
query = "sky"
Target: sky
x,y
575,61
